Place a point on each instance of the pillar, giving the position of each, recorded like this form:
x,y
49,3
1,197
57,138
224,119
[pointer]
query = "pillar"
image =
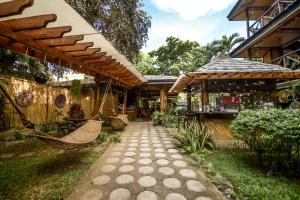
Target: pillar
x,y
124,102
96,96
204,99
162,100
189,98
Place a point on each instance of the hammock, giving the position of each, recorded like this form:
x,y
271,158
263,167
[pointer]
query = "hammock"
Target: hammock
x,y
75,140
119,121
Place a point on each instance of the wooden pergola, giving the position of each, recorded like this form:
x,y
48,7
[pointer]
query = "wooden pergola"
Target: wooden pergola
x,y
224,74
53,32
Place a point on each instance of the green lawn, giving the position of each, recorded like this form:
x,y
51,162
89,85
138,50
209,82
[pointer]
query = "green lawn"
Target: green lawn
x,y
47,174
249,182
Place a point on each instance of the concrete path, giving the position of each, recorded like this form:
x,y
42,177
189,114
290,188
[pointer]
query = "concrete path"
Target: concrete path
x,y
144,166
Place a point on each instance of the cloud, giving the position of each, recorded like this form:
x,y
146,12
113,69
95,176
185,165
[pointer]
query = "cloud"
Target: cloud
x,y
192,9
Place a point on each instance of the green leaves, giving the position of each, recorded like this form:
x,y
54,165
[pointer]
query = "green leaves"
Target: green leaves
x,y
194,137
274,135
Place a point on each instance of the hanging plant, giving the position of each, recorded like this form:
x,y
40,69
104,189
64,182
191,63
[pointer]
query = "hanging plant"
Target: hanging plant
x,y
76,90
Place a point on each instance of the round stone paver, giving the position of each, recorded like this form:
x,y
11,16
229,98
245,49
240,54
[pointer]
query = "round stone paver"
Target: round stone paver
x,y
132,149
160,155
179,163
145,155
203,198
112,160
108,168
101,180
159,150
145,161
195,186
162,162
175,196
176,156
172,150
147,195
119,194
128,160
170,145
124,179
145,149
144,145
172,183
147,181
130,154
133,145
188,173
146,170
167,171
126,168
157,145
92,194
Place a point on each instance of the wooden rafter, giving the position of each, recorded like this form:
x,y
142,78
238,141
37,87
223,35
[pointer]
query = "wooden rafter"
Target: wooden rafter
x,y
63,41
26,23
88,52
75,47
14,7
46,33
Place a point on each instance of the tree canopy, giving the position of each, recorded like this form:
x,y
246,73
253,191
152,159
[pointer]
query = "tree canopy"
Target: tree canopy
x,y
123,22
180,56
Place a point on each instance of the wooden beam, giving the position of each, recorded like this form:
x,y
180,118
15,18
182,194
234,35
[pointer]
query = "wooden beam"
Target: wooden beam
x,y
88,52
14,7
92,57
46,33
63,41
101,61
26,23
76,47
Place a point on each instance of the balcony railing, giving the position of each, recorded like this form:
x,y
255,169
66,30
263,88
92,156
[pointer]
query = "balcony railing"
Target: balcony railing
x,y
277,7
290,60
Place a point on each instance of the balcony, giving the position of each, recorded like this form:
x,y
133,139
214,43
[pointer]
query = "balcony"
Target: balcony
x,y
276,8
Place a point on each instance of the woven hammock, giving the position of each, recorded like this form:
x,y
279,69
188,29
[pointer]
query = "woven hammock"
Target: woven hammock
x,y
75,140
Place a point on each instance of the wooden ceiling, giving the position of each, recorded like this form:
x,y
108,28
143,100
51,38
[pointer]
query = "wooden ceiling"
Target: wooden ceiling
x,y
34,37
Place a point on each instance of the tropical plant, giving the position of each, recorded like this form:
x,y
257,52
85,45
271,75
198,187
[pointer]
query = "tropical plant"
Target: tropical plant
x,y
274,136
194,137
157,117
76,90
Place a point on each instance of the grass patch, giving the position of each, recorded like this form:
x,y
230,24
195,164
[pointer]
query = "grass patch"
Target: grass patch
x,y
48,174
248,181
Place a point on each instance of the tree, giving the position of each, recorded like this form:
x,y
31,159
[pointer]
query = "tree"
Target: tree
x,y
225,45
178,56
123,22
145,65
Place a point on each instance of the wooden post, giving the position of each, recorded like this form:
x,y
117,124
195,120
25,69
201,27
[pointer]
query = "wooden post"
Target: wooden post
x,y
189,99
204,99
96,96
125,102
247,23
162,100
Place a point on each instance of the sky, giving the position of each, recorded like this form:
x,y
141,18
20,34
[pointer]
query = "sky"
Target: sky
x,y
195,20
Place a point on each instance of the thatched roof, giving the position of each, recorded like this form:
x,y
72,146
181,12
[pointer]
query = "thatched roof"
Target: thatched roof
x,y
223,67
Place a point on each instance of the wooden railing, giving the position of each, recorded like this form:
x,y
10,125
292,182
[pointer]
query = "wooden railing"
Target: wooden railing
x,y
277,7
290,60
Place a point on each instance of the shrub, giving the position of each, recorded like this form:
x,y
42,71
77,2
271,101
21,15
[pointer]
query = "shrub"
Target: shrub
x,y
194,137
168,118
18,135
116,138
157,117
274,135
47,127
102,137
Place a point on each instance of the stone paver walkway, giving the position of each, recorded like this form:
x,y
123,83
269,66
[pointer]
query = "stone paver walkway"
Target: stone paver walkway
x,y
144,166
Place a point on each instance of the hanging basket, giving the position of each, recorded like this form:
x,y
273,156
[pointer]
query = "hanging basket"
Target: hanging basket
x,y
40,78
60,100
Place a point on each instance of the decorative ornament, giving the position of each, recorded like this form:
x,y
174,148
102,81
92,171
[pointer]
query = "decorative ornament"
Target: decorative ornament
x,y
24,98
60,100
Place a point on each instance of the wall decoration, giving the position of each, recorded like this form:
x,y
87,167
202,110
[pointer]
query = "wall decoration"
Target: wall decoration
x,y
24,98
60,100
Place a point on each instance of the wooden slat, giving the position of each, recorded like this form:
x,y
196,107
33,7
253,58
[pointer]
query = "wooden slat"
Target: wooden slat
x,y
90,51
46,33
97,55
14,7
30,22
220,128
63,41
76,47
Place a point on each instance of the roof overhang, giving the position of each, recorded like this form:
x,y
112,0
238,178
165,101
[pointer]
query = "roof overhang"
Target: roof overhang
x,y
255,7
54,32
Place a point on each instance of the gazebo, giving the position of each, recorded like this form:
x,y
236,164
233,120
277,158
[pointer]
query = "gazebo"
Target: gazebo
x,y
233,85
